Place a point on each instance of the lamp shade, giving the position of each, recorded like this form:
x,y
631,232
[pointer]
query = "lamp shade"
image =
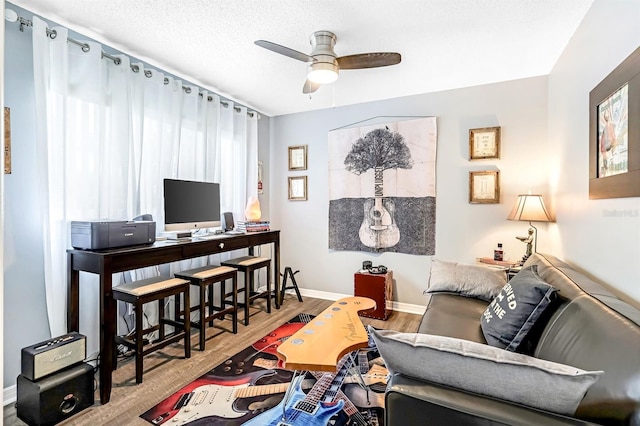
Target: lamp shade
x,y
530,207
253,212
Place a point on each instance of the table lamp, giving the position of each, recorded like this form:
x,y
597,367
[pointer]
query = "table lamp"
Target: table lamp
x,y
253,212
530,208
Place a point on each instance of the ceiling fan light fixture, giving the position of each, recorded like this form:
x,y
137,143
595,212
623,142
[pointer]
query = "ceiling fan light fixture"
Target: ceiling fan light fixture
x,y
323,72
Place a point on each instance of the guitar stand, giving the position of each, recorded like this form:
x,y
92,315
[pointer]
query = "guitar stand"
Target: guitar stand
x,y
288,272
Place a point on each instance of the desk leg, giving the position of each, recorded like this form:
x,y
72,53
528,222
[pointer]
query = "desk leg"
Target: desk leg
x,y
107,334
276,271
73,296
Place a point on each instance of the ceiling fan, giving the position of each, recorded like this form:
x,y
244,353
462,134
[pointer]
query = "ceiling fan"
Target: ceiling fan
x,y
324,64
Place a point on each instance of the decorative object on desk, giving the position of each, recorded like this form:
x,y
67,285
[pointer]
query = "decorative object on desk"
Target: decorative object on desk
x,y
530,208
484,143
7,140
253,381
298,157
252,211
382,187
614,144
298,188
484,187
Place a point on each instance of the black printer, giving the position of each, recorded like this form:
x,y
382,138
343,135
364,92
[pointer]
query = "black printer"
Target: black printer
x,y
107,234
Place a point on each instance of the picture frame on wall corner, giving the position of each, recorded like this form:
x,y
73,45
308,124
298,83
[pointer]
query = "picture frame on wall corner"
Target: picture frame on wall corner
x,y
484,187
7,140
614,132
298,157
484,143
298,188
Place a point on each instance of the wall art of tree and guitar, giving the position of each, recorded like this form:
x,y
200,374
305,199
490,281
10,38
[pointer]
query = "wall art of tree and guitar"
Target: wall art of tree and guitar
x,y
382,187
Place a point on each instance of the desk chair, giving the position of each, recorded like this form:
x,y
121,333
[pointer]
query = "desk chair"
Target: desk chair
x,y
247,265
150,290
204,278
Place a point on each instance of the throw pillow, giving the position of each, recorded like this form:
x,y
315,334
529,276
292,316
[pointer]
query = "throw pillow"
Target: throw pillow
x,y
485,370
467,280
510,316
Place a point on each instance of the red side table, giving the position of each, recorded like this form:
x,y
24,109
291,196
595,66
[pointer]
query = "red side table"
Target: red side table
x,y
378,287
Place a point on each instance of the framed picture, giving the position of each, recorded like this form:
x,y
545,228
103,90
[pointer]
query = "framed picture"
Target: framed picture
x,y
484,143
484,187
614,133
298,157
7,140
298,188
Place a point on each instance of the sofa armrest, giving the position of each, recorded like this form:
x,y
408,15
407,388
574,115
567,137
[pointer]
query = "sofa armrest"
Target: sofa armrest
x,y
414,402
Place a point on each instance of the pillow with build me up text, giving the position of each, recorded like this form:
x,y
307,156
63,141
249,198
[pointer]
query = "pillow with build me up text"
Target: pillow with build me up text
x,y
482,282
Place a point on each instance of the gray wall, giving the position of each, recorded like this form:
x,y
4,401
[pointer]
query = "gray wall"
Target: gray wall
x,y
463,231
25,312
601,237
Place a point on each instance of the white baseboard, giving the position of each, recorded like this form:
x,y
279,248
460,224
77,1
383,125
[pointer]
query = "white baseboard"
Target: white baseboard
x,y
10,394
397,306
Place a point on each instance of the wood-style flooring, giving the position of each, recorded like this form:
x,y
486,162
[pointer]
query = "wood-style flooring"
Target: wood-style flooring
x,y
165,371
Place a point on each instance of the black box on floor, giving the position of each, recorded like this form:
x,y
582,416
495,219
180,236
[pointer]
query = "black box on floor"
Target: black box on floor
x,y
56,397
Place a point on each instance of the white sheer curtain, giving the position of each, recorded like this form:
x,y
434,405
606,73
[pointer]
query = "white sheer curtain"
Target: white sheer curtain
x,y
107,136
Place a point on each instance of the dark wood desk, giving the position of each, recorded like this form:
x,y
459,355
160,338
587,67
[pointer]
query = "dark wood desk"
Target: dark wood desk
x,y
107,262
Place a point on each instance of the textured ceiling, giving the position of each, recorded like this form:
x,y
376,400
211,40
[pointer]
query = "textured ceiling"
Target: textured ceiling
x,y
444,44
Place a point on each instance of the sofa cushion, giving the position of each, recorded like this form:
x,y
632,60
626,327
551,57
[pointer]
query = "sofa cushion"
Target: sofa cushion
x,y
485,370
467,280
454,316
511,315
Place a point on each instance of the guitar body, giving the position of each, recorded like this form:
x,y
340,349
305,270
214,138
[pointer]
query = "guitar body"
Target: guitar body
x,y
362,398
215,398
379,228
296,412
269,344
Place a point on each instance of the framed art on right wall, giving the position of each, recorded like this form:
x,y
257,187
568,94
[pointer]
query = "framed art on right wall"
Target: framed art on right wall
x,y
614,133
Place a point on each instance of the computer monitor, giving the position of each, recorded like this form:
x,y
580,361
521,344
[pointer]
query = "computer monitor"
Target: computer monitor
x,y
191,205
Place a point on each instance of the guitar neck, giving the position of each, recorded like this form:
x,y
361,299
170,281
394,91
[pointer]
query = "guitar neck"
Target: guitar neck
x,y
337,330
260,390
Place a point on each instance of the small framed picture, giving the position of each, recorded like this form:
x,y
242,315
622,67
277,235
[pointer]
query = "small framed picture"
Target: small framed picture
x,y
484,187
298,157
298,188
7,140
484,143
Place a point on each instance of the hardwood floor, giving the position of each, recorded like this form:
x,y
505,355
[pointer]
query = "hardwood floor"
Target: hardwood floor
x,y
165,371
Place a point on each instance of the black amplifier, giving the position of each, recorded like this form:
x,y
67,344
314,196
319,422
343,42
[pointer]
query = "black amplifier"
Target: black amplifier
x,y
53,355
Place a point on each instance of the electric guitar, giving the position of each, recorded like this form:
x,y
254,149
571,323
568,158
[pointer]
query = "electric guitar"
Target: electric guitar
x,y
299,409
379,228
269,344
220,401
204,393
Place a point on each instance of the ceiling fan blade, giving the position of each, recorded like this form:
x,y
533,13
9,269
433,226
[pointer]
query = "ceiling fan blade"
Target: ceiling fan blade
x,y
310,87
284,50
368,60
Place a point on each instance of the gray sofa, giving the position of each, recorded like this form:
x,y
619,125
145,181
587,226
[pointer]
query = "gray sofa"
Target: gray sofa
x,y
588,328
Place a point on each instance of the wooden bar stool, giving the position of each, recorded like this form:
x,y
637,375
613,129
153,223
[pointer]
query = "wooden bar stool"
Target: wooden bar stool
x,y
150,290
247,265
204,278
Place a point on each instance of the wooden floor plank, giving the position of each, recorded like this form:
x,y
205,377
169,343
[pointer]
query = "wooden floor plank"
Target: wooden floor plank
x,y
165,371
